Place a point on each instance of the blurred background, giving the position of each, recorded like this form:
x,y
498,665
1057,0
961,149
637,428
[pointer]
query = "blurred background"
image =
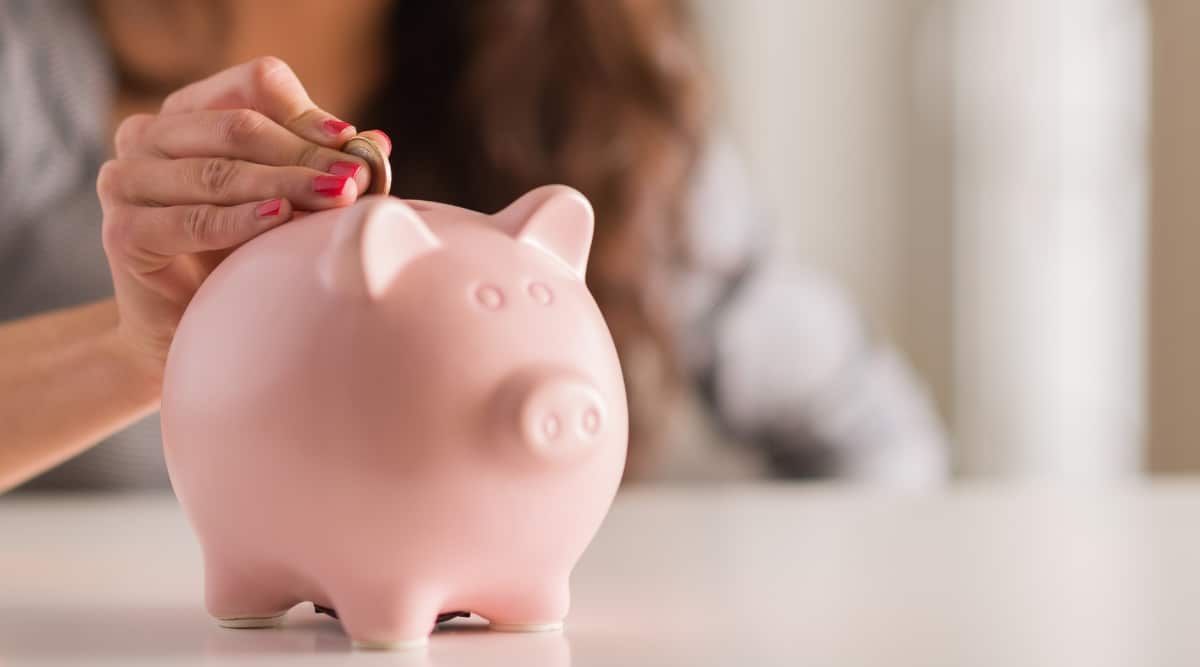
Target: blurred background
x,y
1007,189
1004,187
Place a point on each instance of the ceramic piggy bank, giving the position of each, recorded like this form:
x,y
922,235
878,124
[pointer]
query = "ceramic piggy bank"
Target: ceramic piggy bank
x,y
397,410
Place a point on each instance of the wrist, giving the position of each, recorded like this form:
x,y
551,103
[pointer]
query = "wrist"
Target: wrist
x,y
140,368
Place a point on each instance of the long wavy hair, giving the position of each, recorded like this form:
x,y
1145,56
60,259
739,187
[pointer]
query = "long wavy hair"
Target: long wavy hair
x,y
487,99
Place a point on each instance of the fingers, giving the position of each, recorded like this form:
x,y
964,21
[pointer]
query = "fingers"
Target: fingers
x,y
269,86
149,237
240,134
225,182
128,138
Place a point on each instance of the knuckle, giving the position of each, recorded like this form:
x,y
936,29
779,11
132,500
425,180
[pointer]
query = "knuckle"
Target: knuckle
x,y
115,234
199,225
108,180
216,175
171,101
238,125
308,156
267,72
129,132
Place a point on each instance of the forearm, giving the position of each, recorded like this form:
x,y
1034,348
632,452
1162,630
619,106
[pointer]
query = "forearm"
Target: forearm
x,y
66,381
795,370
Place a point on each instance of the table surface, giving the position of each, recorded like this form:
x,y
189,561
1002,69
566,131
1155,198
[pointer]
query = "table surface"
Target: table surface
x,y
727,575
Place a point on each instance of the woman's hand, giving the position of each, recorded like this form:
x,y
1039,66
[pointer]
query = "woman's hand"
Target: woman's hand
x,y
225,160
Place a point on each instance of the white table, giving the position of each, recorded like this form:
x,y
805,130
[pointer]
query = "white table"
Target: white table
x,y
743,575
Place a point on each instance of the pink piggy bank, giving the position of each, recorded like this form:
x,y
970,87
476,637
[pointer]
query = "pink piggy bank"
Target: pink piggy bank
x,y
397,410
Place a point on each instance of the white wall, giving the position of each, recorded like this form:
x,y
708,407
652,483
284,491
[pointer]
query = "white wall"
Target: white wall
x,y
972,170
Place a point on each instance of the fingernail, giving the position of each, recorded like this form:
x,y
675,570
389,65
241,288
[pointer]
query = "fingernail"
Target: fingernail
x,y
347,169
334,126
269,208
386,140
330,186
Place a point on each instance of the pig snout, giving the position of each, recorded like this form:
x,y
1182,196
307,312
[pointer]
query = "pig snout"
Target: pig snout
x,y
559,413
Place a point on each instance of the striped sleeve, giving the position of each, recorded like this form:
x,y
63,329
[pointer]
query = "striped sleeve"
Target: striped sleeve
x,y
784,359
51,76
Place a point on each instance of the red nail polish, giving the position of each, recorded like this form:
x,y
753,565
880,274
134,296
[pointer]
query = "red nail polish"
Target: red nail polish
x,y
269,208
334,126
386,140
347,169
330,186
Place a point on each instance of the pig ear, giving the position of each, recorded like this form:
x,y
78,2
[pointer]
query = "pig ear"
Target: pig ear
x,y
381,237
556,219
515,214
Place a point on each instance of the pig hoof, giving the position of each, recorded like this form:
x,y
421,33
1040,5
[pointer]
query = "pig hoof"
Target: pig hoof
x,y
390,644
526,627
252,622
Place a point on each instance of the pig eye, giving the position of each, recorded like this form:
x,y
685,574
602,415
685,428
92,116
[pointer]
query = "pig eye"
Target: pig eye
x,y
540,293
490,297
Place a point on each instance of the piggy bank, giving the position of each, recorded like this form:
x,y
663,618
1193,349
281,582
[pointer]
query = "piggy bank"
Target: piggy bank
x,y
397,410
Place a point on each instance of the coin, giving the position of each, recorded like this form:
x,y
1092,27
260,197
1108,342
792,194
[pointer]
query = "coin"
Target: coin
x,y
363,146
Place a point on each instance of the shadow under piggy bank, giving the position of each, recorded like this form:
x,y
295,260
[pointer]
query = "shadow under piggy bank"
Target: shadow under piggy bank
x,y
459,642
168,634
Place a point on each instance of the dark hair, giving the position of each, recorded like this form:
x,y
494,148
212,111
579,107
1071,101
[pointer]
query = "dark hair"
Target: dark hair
x,y
487,99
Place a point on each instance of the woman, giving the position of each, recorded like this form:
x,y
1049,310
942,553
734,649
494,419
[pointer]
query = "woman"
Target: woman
x,y
483,101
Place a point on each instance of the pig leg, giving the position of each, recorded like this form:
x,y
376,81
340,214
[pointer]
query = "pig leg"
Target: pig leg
x,y
241,596
386,617
533,607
